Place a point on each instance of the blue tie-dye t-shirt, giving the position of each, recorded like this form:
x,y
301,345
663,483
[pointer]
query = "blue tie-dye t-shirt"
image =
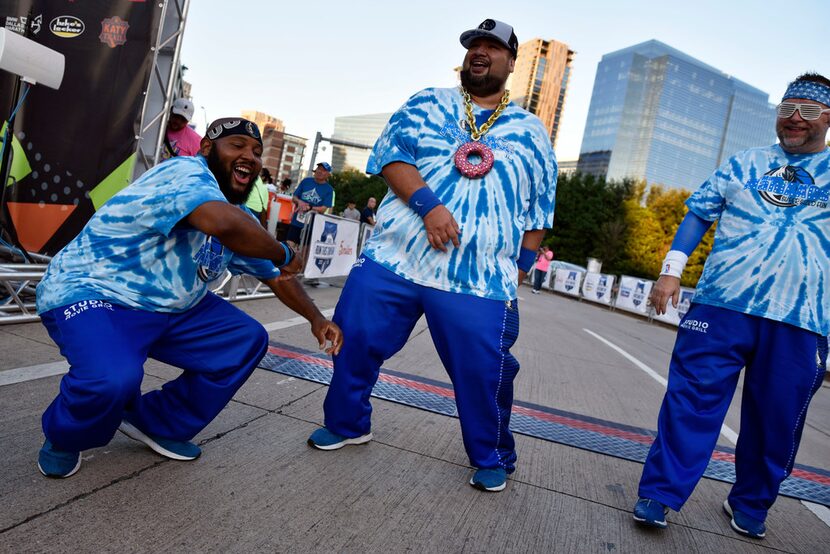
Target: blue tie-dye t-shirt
x,y
771,256
493,211
139,251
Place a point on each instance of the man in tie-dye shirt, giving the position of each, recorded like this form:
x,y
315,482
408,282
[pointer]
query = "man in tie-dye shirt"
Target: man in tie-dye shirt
x,y
134,284
762,303
472,180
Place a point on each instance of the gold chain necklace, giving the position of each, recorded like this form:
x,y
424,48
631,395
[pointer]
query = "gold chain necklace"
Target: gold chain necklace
x,y
475,147
476,132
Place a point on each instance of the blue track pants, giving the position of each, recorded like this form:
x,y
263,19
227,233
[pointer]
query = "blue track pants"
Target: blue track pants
x,y
216,344
713,345
377,312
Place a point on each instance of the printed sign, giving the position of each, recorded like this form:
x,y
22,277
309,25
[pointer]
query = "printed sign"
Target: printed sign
x,y
568,281
597,287
633,294
332,247
67,26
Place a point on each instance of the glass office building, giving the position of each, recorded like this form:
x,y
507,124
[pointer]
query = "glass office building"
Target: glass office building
x,y
359,129
660,115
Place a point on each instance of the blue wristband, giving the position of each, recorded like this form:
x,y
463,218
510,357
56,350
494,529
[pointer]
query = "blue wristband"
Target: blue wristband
x,y
526,259
423,200
289,255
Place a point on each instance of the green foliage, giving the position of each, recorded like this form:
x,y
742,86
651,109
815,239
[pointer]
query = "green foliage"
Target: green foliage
x,y
626,225
352,184
588,220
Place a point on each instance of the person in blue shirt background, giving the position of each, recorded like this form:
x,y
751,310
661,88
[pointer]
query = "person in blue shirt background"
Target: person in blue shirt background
x,y
313,194
472,181
761,304
134,284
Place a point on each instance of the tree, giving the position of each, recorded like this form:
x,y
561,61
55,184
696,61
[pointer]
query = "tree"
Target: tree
x,y
352,184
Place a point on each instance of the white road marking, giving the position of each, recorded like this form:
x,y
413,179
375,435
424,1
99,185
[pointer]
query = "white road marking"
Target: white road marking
x,y
725,430
40,371
822,512
23,374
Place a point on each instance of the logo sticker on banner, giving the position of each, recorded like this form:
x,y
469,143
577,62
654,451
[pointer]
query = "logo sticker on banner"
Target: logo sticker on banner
x,y
67,26
325,248
113,31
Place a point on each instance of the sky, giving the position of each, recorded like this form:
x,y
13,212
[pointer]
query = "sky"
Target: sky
x,y
310,61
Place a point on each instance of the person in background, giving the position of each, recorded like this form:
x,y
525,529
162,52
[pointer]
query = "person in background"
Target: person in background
x,y
313,194
351,211
258,201
180,139
367,215
541,268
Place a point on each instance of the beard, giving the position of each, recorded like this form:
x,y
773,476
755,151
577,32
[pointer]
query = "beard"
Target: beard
x,y
486,85
223,177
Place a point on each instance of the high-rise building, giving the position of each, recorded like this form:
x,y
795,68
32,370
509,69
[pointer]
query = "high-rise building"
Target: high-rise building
x,y
539,81
359,129
263,120
272,130
660,115
291,162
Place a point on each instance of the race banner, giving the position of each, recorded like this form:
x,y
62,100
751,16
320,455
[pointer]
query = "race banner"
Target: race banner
x,y
332,247
674,315
597,287
567,281
75,147
633,294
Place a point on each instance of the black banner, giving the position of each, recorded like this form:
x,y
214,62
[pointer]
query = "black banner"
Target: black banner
x,y
74,147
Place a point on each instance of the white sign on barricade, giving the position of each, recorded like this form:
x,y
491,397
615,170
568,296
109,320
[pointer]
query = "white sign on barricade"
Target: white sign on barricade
x,y
366,232
633,294
568,281
332,247
597,287
674,315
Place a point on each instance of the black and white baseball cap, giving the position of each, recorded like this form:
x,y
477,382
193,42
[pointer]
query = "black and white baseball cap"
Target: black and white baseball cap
x,y
497,30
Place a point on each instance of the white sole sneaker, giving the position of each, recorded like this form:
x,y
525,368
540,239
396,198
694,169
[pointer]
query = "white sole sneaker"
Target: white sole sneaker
x,y
136,434
70,474
345,442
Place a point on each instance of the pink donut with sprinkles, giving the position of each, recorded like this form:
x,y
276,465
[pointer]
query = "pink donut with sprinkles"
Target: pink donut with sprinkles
x,y
474,171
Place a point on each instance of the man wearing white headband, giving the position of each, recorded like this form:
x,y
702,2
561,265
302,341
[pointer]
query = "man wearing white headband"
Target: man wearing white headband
x,y
761,303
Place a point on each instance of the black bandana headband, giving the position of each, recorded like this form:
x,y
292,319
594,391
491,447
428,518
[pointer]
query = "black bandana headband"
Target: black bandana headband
x,y
229,126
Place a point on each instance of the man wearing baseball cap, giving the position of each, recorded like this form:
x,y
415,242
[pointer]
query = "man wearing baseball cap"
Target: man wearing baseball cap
x,y
762,304
180,139
313,194
134,285
472,181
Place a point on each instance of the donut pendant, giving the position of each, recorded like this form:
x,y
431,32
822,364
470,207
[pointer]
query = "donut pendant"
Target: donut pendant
x,y
470,170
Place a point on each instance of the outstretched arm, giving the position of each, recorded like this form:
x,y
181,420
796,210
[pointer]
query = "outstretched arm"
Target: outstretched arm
x,y
241,234
292,294
688,236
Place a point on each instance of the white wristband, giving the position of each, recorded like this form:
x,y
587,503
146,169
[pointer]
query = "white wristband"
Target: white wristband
x,y
674,263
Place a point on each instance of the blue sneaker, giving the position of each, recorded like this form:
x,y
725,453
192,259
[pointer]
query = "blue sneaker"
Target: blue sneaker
x,y
744,524
169,448
323,439
57,463
650,512
492,480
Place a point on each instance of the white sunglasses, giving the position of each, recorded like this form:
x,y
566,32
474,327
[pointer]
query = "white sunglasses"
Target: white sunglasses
x,y
808,112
